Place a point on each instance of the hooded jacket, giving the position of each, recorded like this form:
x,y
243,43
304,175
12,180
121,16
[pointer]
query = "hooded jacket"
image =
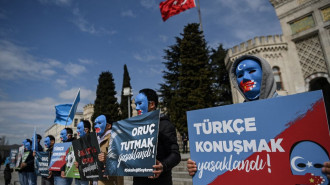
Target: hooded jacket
x,y
268,84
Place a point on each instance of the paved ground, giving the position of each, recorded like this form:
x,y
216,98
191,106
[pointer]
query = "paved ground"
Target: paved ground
x,y
14,177
15,181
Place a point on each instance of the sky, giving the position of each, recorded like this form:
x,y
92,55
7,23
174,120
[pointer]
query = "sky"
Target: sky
x,y
51,48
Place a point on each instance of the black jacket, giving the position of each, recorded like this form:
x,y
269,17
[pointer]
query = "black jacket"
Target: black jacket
x,y
7,173
167,153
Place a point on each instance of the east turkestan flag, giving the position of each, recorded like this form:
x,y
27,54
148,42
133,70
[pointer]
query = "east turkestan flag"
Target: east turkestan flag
x,y
169,8
65,112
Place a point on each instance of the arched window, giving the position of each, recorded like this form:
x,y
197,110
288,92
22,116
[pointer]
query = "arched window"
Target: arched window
x,y
277,77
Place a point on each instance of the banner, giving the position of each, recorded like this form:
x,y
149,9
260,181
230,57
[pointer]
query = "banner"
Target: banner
x,y
41,164
169,8
13,158
34,141
65,112
86,150
60,151
133,146
282,140
70,168
19,156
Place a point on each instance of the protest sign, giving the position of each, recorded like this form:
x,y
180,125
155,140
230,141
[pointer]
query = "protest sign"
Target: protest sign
x,y
282,140
19,156
70,168
41,164
86,150
133,146
60,150
13,157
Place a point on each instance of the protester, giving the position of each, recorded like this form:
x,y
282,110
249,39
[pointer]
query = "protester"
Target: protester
x,y
7,174
49,143
40,148
168,154
103,129
252,76
83,129
27,166
66,135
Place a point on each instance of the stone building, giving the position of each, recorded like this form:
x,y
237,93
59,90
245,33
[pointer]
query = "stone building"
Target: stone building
x,y
300,58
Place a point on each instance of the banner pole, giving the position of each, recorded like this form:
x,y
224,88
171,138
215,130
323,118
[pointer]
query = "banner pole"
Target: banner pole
x,y
199,15
71,108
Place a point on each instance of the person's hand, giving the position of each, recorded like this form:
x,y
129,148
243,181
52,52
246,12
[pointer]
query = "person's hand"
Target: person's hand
x,y
50,173
34,153
62,174
101,157
191,167
326,169
76,164
158,169
23,165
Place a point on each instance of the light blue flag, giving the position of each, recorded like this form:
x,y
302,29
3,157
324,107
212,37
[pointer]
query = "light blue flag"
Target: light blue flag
x,y
62,114
65,112
34,141
74,107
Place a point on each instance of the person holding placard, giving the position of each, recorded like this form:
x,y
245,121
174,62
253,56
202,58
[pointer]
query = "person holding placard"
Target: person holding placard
x,y
49,143
168,154
253,77
83,129
103,130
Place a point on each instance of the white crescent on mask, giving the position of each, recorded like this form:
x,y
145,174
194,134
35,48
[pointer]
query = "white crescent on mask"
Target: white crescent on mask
x,y
293,161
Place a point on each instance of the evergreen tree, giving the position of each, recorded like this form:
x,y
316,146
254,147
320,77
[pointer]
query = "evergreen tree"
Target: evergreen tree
x,y
106,101
124,99
221,82
189,79
169,89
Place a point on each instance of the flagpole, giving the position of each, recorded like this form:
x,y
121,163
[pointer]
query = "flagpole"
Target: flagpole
x,y
71,108
199,15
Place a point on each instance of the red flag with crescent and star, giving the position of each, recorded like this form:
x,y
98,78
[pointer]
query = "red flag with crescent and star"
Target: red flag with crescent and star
x,y
172,7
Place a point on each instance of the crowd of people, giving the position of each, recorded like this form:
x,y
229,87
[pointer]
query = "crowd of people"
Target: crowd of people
x,y
251,75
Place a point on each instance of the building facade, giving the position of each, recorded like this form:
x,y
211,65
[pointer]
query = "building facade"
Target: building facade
x,y
300,58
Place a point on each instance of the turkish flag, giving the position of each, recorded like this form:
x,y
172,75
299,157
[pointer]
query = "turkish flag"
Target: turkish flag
x,y
172,7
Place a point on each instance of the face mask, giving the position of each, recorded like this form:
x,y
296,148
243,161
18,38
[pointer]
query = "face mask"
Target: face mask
x,y
63,135
100,124
141,102
47,142
27,146
249,76
80,129
303,160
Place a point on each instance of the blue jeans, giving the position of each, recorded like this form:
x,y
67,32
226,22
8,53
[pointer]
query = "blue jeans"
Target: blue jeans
x,y
58,180
31,178
22,177
80,182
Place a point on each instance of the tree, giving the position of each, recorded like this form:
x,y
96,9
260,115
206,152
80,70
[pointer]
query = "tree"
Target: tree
x,y
124,101
188,80
106,101
221,82
169,89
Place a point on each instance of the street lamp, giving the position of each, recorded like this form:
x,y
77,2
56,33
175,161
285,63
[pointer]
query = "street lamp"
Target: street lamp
x,y
128,92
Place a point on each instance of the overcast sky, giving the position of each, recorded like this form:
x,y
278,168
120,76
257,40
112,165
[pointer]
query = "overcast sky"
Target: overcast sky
x,y
51,48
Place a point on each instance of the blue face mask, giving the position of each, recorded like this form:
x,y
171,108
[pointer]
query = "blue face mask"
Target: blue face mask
x,y
80,129
47,142
100,124
141,102
27,146
303,159
249,76
63,135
